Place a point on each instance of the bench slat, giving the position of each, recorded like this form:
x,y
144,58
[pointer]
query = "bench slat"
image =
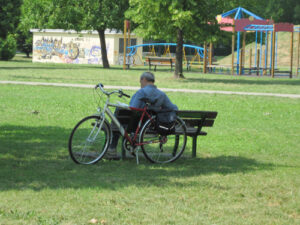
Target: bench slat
x,y
195,122
196,114
191,116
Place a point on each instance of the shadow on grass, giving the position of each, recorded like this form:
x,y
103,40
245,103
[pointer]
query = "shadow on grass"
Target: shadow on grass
x,y
37,158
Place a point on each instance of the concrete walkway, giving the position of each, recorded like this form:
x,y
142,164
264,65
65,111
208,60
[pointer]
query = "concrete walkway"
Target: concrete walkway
x,y
163,89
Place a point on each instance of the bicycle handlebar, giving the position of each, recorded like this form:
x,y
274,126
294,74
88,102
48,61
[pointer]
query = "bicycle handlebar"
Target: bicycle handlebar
x,y
120,92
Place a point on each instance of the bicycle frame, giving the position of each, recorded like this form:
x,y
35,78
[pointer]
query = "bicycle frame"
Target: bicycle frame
x,y
123,132
146,135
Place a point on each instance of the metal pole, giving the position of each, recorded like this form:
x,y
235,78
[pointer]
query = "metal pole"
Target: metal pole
x,y
241,62
276,47
238,52
266,52
129,44
261,52
272,50
205,56
255,48
210,53
292,40
124,50
244,51
250,61
232,49
298,54
257,63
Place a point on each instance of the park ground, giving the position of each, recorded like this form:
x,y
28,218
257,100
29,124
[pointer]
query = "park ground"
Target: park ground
x,y
246,170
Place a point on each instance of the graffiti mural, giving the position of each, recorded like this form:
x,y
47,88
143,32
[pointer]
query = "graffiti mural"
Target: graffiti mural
x,y
67,50
95,55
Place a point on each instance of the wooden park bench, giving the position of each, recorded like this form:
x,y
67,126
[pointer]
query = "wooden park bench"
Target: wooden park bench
x,y
220,69
194,121
160,61
196,64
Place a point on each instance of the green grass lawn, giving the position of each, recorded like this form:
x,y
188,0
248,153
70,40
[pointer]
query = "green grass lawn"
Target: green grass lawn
x,y
246,170
22,69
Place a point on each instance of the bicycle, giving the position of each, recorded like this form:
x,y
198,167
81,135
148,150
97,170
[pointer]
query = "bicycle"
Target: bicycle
x,y
90,138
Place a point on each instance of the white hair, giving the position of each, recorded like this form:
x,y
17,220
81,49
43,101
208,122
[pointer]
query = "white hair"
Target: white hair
x,y
148,76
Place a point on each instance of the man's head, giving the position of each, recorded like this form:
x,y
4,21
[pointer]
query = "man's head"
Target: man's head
x,y
147,78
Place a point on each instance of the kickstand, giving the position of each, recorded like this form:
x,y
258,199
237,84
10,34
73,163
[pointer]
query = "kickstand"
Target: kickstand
x,y
137,156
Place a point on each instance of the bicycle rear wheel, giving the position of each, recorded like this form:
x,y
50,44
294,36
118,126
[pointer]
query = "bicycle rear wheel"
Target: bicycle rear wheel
x,y
163,149
88,143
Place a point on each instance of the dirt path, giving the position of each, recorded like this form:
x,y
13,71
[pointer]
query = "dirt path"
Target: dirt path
x,y
163,89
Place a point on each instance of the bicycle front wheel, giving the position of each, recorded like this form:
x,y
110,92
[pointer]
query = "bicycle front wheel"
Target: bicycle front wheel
x,y
163,149
88,141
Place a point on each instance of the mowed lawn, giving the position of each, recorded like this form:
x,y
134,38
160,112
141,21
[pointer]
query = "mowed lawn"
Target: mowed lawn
x,y
246,170
22,69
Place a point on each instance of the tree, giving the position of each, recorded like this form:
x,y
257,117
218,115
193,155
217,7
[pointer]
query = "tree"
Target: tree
x,y
34,14
24,41
9,16
8,47
283,10
9,19
174,20
91,15
77,15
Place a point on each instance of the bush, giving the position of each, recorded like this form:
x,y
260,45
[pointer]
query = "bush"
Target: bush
x,y
8,47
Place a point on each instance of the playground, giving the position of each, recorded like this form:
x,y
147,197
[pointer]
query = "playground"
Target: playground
x,y
261,58
246,170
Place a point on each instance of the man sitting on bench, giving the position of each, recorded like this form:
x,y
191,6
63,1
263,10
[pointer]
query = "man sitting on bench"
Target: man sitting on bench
x,y
148,90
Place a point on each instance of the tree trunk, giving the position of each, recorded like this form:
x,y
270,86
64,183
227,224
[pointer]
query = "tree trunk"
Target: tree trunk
x,y
179,53
103,48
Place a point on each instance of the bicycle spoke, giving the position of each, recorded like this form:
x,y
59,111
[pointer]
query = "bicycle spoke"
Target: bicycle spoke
x,y
166,148
89,140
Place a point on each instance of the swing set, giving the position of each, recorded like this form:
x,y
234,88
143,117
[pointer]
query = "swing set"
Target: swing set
x,y
196,58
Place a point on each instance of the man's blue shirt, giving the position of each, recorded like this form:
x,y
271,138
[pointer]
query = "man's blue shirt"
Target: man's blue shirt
x,y
153,94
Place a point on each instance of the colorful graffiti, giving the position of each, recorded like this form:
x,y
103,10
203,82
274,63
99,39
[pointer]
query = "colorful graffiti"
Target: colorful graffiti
x,y
72,51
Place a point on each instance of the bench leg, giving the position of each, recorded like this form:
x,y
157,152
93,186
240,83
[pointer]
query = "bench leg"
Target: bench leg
x,y
194,147
123,154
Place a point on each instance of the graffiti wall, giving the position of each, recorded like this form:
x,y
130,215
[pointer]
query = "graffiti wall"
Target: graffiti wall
x,y
69,49
59,46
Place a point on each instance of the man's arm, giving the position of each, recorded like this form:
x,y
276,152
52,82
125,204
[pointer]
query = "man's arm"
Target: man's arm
x,y
168,104
135,100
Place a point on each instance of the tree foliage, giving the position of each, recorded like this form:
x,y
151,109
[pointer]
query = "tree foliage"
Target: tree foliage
x,y
281,10
8,47
174,20
37,14
9,19
76,15
9,16
91,15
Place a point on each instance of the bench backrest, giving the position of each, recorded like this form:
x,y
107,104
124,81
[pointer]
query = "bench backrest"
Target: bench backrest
x,y
162,60
196,118
192,119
